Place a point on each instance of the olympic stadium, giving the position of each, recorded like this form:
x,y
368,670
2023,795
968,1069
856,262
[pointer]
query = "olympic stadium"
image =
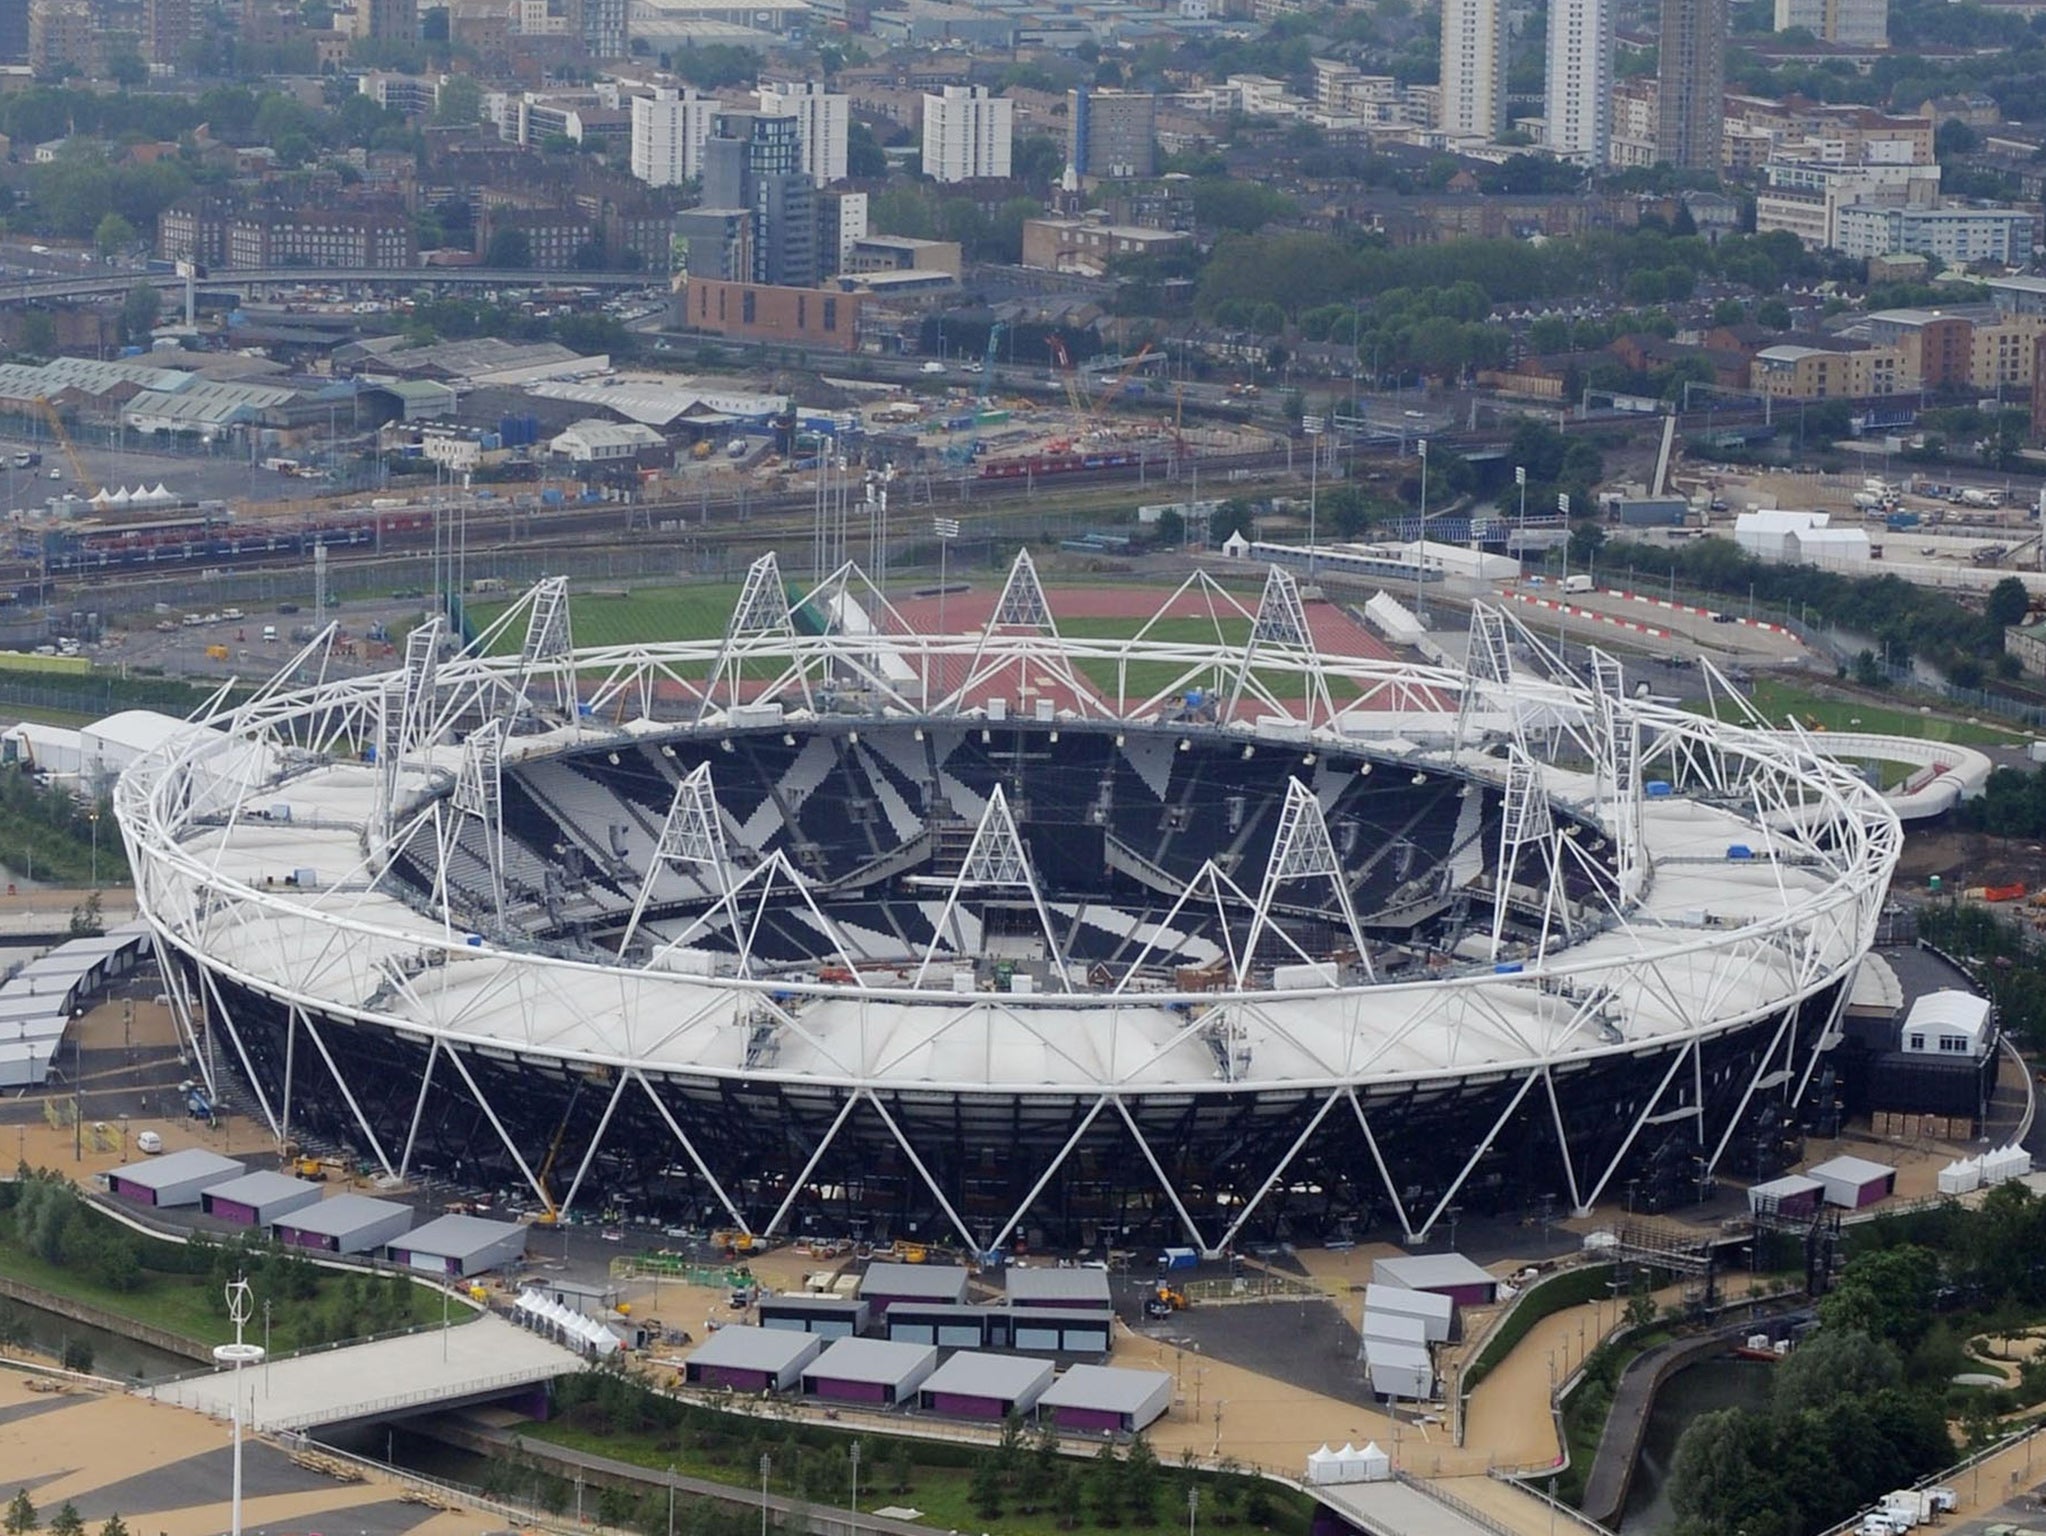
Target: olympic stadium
x,y
845,922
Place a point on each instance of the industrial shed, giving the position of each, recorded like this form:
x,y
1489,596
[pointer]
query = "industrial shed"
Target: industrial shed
x,y
1083,1289
979,1386
752,1359
175,1179
1437,1312
460,1245
1105,1400
1059,1331
344,1224
885,1284
915,1322
1855,1181
1394,1328
1399,1370
870,1371
1442,1274
1792,1195
259,1199
829,1317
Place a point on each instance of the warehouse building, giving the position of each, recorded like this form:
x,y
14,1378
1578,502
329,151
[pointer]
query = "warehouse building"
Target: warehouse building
x,y
870,1371
259,1199
1084,1289
829,1317
459,1246
1105,1400
1441,1274
752,1359
344,1224
933,1284
1437,1312
174,1179
971,1385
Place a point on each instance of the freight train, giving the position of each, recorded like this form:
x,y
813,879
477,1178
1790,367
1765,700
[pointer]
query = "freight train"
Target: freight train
x,y
198,535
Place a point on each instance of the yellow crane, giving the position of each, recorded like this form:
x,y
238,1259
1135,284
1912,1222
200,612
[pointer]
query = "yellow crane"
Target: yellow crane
x,y
63,440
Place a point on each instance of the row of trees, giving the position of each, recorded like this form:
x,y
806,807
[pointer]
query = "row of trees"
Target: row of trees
x,y
21,1518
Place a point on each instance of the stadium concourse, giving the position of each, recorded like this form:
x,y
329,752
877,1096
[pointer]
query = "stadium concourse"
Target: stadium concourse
x,y
837,924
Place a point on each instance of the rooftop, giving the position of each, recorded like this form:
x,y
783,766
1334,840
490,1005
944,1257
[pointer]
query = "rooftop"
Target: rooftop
x,y
972,1373
756,1349
934,1282
1105,1387
873,1360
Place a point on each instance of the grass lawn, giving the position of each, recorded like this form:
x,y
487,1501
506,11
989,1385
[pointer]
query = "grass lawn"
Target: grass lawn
x,y
649,614
191,1306
943,1494
1586,1410
1819,713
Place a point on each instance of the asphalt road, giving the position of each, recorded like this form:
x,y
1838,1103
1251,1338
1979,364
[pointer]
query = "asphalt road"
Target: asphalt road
x,y
188,476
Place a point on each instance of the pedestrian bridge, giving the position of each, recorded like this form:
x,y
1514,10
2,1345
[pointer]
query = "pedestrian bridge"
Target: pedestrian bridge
x,y
466,1363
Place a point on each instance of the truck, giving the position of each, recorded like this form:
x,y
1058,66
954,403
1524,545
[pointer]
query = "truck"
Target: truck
x,y
1576,583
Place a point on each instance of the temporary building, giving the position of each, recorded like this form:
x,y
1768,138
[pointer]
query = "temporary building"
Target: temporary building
x,y
344,1224
1437,1312
1085,1289
174,1179
885,1284
1443,1274
829,1317
258,1199
1399,1370
1395,1328
2005,1164
1855,1181
1107,1399
752,1359
572,1328
1060,1331
1949,1023
1372,1465
1961,1176
1794,1194
870,1371
916,1322
1349,1465
460,1245
972,1385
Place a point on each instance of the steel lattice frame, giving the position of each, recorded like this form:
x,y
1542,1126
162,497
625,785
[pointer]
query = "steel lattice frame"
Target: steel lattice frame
x,y
346,961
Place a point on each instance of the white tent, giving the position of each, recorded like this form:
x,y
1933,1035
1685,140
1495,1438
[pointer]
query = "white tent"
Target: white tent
x,y
100,498
160,494
120,498
1324,1466
1376,1465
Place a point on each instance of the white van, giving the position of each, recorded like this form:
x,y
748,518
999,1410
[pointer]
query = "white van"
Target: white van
x,y
270,633
149,1142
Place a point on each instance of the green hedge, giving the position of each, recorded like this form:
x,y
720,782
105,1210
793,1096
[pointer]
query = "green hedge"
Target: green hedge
x,y
1569,1288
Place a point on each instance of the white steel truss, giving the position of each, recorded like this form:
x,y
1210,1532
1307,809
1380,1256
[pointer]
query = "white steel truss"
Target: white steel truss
x,y
761,614
1302,850
995,860
1525,826
1281,629
478,797
692,837
547,655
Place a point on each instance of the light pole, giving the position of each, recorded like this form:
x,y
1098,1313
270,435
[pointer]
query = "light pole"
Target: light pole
x,y
237,1355
671,1499
766,1463
946,529
1193,1508
93,817
855,1505
1520,480
1311,428
1421,535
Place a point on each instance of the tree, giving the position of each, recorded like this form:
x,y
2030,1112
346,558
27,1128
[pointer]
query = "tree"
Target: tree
x,y
1773,313
864,157
21,1515
1105,1486
459,102
113,234
1141,1482
1586,540
38,333
2008,603
140,311
114,1526
1831,1366
1887,1294
509,250
1234,516
66,1522
126,68
986,1488
1171,528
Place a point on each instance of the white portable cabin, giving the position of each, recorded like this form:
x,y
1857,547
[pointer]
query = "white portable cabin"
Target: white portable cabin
x,y
1395,1328
1437,1312
1399,1370
1854,1182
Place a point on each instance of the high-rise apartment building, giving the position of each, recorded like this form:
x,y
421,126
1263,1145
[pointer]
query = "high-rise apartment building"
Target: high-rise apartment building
x,y
1850,23
602,26
1111,134
755,162
1578,104
968,134
823,119
668,133
1474,67
170,28
13,31
1691,80
397,19
61,32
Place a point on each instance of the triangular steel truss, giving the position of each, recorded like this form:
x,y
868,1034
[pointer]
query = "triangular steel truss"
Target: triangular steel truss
x,y
692,836
1301,850
997,860
1023,604
479,797
548,650
1281,629
1488,670
745,905
406,719
1618,736
759,620
1526,825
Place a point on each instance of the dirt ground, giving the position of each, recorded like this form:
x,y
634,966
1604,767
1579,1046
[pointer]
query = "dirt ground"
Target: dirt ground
x,y
1962,859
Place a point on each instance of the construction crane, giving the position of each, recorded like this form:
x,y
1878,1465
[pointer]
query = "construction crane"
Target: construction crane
x,y
63,440
987,365
1122,378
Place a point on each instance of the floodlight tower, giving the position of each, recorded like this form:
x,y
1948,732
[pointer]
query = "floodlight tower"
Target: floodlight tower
x,y
237,1355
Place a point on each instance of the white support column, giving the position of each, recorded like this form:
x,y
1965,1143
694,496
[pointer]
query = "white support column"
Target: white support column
x,y
810,1167
1158,1172
1279,1170
348,1096
965,1233
596,1141
241,1051
419,1108
1563,1141
1477,1153
689,1149
1640,1120
1392,1192
497,1125
1045,1178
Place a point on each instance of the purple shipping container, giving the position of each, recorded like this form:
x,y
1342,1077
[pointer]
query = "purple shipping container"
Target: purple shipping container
x,y
849,1391
969,1407
1094,1420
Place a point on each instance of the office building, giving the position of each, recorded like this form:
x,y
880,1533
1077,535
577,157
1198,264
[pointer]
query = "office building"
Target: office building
x,y
755,162
823,119
967,134
398,19
841,223
713,244
1691,81
1579,100
668,133
1849,23
1111,134
1474,68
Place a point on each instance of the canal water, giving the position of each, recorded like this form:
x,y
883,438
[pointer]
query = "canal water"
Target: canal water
x,y
113,1354
1718,1382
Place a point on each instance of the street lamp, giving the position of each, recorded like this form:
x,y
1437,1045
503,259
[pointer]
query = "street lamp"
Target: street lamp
x,y
766,1464
1421,535
671,1499
1520,479
237,1355
1311,428
855,1505
1193,1508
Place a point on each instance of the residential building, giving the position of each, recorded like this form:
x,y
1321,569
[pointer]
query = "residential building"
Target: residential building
x,y
2038,394
601,24
668,133
1850,23
1474,67
169,29
755,162
1691,82
899,253
1578,105
1935,348
713,243
1637,117
554,236
1792,372
14,31
841,220
397,19
413,95
1958,236
61,32
753,312
1807,199
1087,246
968,134
822,123
1111,134
319,236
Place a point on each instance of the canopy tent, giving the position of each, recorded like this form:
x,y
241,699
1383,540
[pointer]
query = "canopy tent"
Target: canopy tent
x,y
543,1314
